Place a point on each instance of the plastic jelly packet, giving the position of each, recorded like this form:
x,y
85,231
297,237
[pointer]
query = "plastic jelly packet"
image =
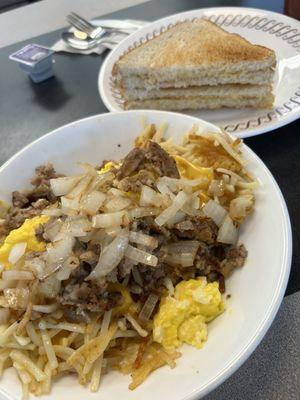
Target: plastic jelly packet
x,y
36,61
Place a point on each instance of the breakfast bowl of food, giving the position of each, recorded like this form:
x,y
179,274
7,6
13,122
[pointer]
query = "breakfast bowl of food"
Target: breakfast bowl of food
x,y
143,253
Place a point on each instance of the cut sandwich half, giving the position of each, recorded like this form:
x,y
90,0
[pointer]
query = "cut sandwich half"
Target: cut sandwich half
x,y
176,69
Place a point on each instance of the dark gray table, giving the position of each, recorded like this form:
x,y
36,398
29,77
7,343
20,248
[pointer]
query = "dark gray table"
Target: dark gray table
x,y
29,111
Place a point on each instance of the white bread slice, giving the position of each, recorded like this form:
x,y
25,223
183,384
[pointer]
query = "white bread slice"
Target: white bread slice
x,y
261,77
198,91
189,50
195,103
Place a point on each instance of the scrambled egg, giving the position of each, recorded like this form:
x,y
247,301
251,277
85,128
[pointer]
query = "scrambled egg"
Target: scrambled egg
x,y
26,233
183,318
109,165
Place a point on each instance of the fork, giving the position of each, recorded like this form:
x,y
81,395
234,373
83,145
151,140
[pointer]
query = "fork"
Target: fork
x,y
84,25
90,29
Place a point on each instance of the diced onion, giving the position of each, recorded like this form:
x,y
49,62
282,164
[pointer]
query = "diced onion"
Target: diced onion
x,y
171,183
80,227
17,252
185,225
140,212
141,256
169,285
178,202
214,211
37,265
60,250
113,231
110,257
185,260
182,252
228,232
178,217
117,203
102,179
195,202
10,275
108,219
116,192
240,207
150,197
52,212
148,307
62,186
92,202
52,228
143,239
64,273
189,209
50,287
69,265
69,204
78,191
74,226
163,188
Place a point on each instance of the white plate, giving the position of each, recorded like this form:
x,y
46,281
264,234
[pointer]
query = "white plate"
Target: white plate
x,y
266,28
257,288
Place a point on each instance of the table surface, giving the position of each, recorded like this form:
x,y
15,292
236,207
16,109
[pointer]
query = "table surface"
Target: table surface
x,y
25,22
28,111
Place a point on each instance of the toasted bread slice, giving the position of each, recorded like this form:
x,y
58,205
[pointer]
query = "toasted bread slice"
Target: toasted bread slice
x,y
202,102
199,91
191,49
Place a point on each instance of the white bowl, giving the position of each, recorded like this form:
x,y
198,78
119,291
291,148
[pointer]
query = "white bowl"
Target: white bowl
x,y
256,289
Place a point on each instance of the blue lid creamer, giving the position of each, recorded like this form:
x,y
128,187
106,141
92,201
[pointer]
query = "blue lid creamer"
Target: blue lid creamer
x,y
36,61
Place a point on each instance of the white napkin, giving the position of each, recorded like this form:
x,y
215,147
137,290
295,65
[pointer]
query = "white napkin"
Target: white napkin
x,y
61,46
